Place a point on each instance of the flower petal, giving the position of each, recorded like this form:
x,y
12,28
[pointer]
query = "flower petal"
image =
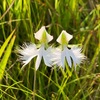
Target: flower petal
x,y
38,35
49,37
47,56
38,61
39,57
76,55
27,52
63,53
56,57
67,54
42,35
64,37
59,57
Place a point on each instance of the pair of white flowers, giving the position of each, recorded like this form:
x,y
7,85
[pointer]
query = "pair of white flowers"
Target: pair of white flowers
x,y
51,56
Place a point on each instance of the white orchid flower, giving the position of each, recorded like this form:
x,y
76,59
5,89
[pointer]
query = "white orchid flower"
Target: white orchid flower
x,y
44,38
30,51
63,54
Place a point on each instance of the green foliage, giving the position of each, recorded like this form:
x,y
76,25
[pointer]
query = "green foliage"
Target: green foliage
x,y
7,53
81,18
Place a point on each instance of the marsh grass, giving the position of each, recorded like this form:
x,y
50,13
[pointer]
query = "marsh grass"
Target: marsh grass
x,y
80,18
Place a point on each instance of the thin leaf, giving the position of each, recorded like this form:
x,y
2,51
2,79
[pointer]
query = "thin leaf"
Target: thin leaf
x,y
4,60
6,43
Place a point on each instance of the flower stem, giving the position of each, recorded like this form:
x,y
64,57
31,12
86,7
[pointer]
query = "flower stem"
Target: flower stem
x,y
34,84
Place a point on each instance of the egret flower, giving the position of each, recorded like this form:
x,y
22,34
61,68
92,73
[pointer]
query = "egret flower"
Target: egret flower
x,y
28,52
63,54
44,53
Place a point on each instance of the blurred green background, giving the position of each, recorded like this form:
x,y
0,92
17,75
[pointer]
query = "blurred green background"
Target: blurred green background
x,y
20,19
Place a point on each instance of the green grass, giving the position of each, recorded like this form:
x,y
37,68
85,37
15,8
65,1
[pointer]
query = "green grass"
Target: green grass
x,y
81,18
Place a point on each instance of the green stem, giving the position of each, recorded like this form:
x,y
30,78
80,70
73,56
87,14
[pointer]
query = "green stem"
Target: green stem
x,y
34,84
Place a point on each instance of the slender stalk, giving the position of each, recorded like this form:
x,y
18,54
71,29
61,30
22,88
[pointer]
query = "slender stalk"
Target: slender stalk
x,y
34,86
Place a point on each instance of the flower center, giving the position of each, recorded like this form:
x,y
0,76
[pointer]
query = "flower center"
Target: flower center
x,y
44,38
64,39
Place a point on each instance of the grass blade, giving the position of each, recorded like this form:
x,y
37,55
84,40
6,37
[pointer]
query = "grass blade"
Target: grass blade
x,y
6,43
5,57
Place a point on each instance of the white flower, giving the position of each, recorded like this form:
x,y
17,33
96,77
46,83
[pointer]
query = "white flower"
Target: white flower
x,y
30,51
44,38
61,55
